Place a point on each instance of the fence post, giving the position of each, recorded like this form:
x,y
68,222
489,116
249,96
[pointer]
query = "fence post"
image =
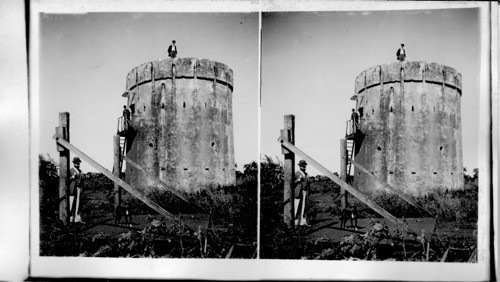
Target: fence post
x,y
63,132
343,172
288,134
117,170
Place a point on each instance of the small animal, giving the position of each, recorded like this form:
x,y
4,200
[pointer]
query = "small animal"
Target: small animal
x,y
123,211
350,213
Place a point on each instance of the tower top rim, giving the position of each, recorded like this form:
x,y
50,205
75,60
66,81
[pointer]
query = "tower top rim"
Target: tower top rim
x,y
417,71
184,67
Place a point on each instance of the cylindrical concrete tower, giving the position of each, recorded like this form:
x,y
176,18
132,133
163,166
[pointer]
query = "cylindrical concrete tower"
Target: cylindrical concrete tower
x,y
182,124
410,120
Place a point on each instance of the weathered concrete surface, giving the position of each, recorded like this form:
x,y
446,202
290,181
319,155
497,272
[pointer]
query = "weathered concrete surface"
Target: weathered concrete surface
x,y
412,127
182,117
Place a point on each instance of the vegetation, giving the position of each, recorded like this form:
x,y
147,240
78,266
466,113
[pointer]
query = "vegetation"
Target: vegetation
x,y
450,207
231,233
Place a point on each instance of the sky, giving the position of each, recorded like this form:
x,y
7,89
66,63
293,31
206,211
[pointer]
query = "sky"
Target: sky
x,y
310,61
84,60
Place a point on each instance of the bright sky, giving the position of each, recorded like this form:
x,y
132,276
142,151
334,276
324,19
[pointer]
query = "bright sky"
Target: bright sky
x,y
310,61
85,58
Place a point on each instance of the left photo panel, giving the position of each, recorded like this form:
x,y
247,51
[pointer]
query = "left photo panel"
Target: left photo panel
x,y
144,129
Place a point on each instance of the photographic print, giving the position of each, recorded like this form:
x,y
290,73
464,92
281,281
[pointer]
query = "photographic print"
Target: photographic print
x,y
147,134
377,114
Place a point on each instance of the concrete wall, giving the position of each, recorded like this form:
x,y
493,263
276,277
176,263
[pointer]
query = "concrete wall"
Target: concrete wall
x,y
182,116
412,127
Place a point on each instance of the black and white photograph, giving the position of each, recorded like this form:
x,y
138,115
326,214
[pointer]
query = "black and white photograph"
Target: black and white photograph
x,y
249,140
370,145
147,131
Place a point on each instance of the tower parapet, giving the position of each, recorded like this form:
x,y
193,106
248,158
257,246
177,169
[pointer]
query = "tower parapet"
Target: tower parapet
x,y
411,124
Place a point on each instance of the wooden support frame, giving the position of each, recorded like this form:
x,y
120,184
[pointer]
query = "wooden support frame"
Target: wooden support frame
x,y
392,189
346,186
64,164
136,193
288,134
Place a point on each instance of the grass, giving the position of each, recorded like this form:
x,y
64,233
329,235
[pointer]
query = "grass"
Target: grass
x,y
233,211
454,210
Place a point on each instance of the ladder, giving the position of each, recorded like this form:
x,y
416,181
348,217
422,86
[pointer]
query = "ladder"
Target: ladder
x,y
351,146
123,151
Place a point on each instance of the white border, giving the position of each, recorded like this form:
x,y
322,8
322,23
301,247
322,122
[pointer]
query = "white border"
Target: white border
x,y
14,144
263,269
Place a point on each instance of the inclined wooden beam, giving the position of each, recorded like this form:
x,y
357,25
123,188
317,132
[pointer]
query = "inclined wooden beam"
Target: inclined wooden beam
x,y
160,183
390,188
136,193
346,186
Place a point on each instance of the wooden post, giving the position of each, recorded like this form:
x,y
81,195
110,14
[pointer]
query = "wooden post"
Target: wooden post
x,y
288,134
63,132
343,172
117,170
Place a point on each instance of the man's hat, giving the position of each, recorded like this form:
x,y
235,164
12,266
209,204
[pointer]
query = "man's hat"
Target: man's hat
x,y
173,41
76,160
402,44
302,163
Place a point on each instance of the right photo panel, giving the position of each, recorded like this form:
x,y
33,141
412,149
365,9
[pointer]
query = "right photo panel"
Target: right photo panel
x,y
369,143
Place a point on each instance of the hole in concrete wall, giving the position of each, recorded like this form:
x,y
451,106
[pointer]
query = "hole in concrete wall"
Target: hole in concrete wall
x,y
207,168
390,172
391,109
162,106
378,148
435,172
183,104
144,108
452,173
413,172
373,111
162,168
129,169
412,108
359,173
151,145
213,144
132,108
441,148
185,168
223,169
360,110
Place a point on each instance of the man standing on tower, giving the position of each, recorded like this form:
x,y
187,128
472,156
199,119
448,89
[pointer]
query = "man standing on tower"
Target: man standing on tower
x,y
401,53
300,193
172,50
354,121
126,118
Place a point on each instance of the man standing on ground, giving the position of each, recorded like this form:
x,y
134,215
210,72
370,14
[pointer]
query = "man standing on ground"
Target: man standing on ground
x,y
401,53
126,118
172,50
75,190
300,193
